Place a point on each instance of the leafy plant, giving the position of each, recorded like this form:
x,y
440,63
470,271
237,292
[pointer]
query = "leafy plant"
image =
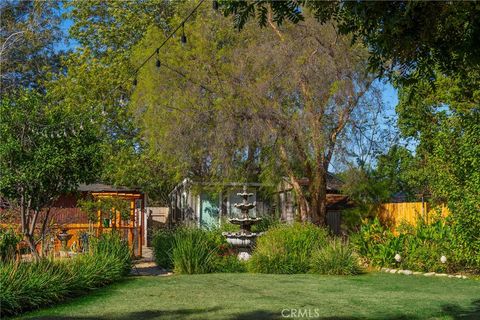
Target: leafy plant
x,y
287,248
112,245
193,251
107,206
420,247
163,242
29,285
229,263
336,258
8,244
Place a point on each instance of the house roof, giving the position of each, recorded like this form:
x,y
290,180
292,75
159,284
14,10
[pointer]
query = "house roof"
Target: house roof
x,y
100,187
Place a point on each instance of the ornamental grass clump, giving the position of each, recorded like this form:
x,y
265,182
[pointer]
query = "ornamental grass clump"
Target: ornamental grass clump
x,y
112,245
194,251
30,285
336,258
26,286
163,241
287,248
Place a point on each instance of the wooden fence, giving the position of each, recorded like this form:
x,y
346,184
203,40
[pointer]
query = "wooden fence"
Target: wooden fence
x,y
409,212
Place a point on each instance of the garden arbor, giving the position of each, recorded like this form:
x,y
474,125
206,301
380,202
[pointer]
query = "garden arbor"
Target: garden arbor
x,y
107,209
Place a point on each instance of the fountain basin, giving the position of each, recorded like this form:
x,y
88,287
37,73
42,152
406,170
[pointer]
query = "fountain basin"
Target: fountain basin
x,y
241,240
64,237
244,221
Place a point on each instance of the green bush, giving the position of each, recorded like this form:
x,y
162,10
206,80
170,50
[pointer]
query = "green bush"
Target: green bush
x,y
8,244
112,245
162,242
29,285
287,248
420,246
266,223
229,263
336,258
194,251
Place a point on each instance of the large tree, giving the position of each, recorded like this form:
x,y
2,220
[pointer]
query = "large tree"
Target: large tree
x,y
407,40
445,124
99,80
268,103
46,150
30,36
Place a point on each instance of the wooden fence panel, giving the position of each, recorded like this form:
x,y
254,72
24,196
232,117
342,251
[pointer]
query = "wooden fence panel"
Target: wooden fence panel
x,y
395,214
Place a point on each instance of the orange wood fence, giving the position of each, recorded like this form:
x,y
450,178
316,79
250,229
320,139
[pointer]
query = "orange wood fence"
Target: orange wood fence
x,y
409,212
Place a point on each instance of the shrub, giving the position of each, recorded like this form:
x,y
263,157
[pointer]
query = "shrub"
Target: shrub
x,y
163,241
112,245
420,246
29,285
266,223
336,258
8,244
287,248
194,251
229,264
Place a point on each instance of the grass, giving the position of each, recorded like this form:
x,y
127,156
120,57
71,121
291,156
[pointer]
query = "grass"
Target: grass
x,y
264,296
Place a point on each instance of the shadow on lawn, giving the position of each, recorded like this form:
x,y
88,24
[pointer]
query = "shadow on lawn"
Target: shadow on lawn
x,y
147,315
454,311
459,313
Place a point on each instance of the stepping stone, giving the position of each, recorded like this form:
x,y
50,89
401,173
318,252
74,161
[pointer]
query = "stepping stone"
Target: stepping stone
x,y
393,271
429,274
441,274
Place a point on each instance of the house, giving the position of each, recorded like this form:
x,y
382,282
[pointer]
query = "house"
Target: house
x,y
336,201
208,205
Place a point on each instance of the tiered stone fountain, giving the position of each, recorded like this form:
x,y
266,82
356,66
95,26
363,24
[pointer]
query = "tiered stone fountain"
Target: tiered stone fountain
x,y
244,240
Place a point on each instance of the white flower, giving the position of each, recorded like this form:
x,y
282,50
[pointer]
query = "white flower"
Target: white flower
x,y
398,257
443,259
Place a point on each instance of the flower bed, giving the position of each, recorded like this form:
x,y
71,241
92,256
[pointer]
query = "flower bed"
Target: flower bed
x,y
422,248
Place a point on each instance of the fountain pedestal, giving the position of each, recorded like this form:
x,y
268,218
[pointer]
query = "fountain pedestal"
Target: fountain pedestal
x,y
244,240
64,237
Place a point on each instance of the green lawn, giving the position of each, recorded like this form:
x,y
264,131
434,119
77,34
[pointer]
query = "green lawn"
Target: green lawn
x,y
257,296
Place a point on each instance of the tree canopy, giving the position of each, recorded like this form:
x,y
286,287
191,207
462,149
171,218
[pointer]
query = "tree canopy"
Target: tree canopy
x,y
29,33
407,40
46,150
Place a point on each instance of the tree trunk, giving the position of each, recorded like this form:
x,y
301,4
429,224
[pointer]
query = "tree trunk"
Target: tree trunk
x,y
31,244
301,199
318,194
44,232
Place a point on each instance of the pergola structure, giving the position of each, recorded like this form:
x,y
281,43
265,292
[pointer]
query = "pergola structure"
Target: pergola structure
x,y
135,225
70,216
